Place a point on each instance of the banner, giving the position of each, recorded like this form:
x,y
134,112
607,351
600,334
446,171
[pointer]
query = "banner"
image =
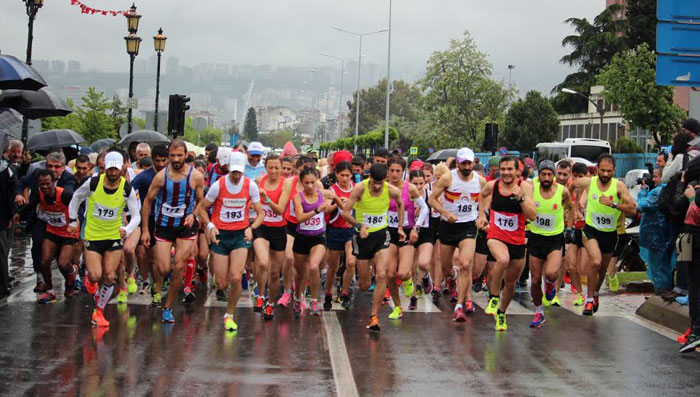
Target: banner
x,y
89,10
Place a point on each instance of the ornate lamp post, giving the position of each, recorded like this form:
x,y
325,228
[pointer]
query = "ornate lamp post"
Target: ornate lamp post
x,y
133,42
159,44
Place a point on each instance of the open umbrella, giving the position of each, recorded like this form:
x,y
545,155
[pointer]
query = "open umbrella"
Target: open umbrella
x,y
35,104
98,145
54,139
147,136
442,155
17,75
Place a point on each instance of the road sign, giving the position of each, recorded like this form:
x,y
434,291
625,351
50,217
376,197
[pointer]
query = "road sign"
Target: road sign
x,y
132,103
414,150
677,38
678,10
677,70
502,151
431,150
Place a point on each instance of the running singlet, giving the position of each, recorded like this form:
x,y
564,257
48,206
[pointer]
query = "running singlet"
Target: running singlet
x,y
507,220
289,214
272,218
55,215
336,219
550,212
461,198
315,225
231,210
371,211
599,216
103,218
409,209
175,201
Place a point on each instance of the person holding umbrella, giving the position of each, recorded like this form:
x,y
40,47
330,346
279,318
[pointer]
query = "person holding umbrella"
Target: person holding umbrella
x,y
8,178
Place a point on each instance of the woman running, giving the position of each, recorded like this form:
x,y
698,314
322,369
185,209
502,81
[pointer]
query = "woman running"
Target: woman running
x,y
426,240
440,170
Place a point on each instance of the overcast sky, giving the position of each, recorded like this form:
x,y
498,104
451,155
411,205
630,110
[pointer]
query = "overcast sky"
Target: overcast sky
x,y
526,33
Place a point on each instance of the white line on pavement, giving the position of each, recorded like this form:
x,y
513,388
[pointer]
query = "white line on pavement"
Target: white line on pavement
x,y
340,362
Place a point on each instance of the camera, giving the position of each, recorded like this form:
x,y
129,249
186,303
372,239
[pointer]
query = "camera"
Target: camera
x,y
647,178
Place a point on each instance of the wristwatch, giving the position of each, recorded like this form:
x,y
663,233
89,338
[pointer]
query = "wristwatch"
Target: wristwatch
x,y
614,204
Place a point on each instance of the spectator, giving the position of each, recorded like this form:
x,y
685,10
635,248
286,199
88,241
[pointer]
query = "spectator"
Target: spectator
x,y
211,147
8,179
145,163
691,126
681,153
661,159
14,152
254,166
691,339
337,157
381,155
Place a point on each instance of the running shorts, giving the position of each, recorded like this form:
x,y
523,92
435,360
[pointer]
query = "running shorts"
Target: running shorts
x,y
540,246
366,248
453,233
276,236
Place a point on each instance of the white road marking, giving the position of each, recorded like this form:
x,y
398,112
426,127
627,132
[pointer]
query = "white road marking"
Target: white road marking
x,y
340,362
245,300
424,305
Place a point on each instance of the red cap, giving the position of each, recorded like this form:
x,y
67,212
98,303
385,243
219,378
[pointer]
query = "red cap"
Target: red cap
x,y
416,165
342,155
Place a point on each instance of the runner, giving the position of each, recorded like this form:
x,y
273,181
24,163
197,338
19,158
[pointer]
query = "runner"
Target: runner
x,y
606,199
576,255
460,208
546,238
270,239
426,237
126,281
176,190
509,202
106,195
230,230
370,201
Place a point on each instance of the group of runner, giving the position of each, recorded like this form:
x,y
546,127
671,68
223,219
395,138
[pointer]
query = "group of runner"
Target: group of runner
x,y
240,218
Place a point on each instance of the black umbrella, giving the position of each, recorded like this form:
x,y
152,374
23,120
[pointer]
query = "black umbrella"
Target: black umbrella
x,y
147,136
35,104
442,155
4,139
17,75
54,139
97,145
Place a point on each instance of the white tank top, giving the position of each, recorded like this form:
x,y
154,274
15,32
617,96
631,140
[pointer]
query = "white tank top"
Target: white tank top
x,y
461,198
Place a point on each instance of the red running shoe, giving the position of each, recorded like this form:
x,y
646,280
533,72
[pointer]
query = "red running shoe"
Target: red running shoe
x,y
684,338
458,316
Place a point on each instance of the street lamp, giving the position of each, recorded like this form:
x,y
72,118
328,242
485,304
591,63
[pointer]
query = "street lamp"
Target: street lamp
x,y
159,44
599,108
342,75
388,83
33,7
359,66
133,42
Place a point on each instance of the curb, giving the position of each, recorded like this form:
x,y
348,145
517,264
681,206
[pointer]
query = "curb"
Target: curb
x,y
670,315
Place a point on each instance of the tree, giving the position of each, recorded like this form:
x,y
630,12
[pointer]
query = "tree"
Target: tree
x,y
530,121
403,103
641,21
276,140
118,113
459,92
630,83
93,114
627,145
70,122
250,127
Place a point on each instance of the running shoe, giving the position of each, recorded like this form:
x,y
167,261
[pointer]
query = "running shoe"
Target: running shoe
x,y
269,313
314,309
469,307
579,300
546,302
372,285
549,291
122,298
408,287
614,283
476,285
285,299
220,295
414,303
69,288
588,310
427,284
328,302
683,338
454,295
297,308
567,278
373,324
556,301
692,342
458,315
189,296
396,314
40,287
345,301
229,324
131,286
596,303
387,296
501,323
47,297
537,321
157,300
492,307
167,316
451,284
573,289
682,300
91,287
436,294
145,288
244,282
419,289
98,318
259,303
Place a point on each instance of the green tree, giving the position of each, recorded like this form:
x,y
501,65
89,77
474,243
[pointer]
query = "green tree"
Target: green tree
x,y
93,114
250,127
641,20
70,122
118,112
627,145
529,121
403,103
459,92
630,83
276,140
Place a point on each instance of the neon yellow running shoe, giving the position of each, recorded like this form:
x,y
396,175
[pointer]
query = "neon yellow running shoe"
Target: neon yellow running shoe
x,y
614,283
157,300
122,297
546,302
501,323
131,286
229,324
492,307
396,314
556,301
408,288
579,300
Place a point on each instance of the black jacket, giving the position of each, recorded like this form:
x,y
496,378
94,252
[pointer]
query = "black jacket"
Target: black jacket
x,y
8,180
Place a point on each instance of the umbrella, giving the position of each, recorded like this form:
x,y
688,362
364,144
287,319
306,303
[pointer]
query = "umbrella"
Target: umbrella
x,y
15,74
147,136
97,145
54,139
4,139
35,104
442,155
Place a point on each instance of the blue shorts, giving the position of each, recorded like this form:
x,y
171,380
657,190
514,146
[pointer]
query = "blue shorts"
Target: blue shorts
x,y
229,240
337,237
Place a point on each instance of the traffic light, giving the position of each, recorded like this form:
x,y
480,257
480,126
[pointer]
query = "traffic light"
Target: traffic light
x,y
491,137
176,114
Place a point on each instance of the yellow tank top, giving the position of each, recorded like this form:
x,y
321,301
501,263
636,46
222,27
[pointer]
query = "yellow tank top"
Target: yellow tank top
x,y
104,213
371,210
550,212
599,216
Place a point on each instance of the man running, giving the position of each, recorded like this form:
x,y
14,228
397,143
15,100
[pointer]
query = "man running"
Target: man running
x,y
106,195
509,201
606,199
370,201
459,191
176,190
546,239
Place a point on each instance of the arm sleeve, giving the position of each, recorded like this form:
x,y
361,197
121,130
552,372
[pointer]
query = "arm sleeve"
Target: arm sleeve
x,y
79,196
424,211
213,192
134,210
254,192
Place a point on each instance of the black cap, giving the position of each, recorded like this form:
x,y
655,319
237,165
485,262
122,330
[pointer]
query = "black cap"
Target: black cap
x,y
692,125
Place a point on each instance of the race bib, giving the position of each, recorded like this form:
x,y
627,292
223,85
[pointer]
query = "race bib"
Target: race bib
x,y
545,222
317,222
270,214
233,210
601,221
508,223
55,219
104,213
173,212
291,209
374,220
465,207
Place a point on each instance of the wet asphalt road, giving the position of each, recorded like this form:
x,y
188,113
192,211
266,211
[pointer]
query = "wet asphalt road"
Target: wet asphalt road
x,y
52,350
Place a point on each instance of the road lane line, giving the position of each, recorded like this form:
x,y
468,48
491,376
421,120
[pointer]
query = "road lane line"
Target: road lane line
x,y
340,362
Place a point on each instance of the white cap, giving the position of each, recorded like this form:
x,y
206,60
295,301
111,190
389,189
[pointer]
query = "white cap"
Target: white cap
x,y
255,148
222,156
465,154
114,160
236,162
